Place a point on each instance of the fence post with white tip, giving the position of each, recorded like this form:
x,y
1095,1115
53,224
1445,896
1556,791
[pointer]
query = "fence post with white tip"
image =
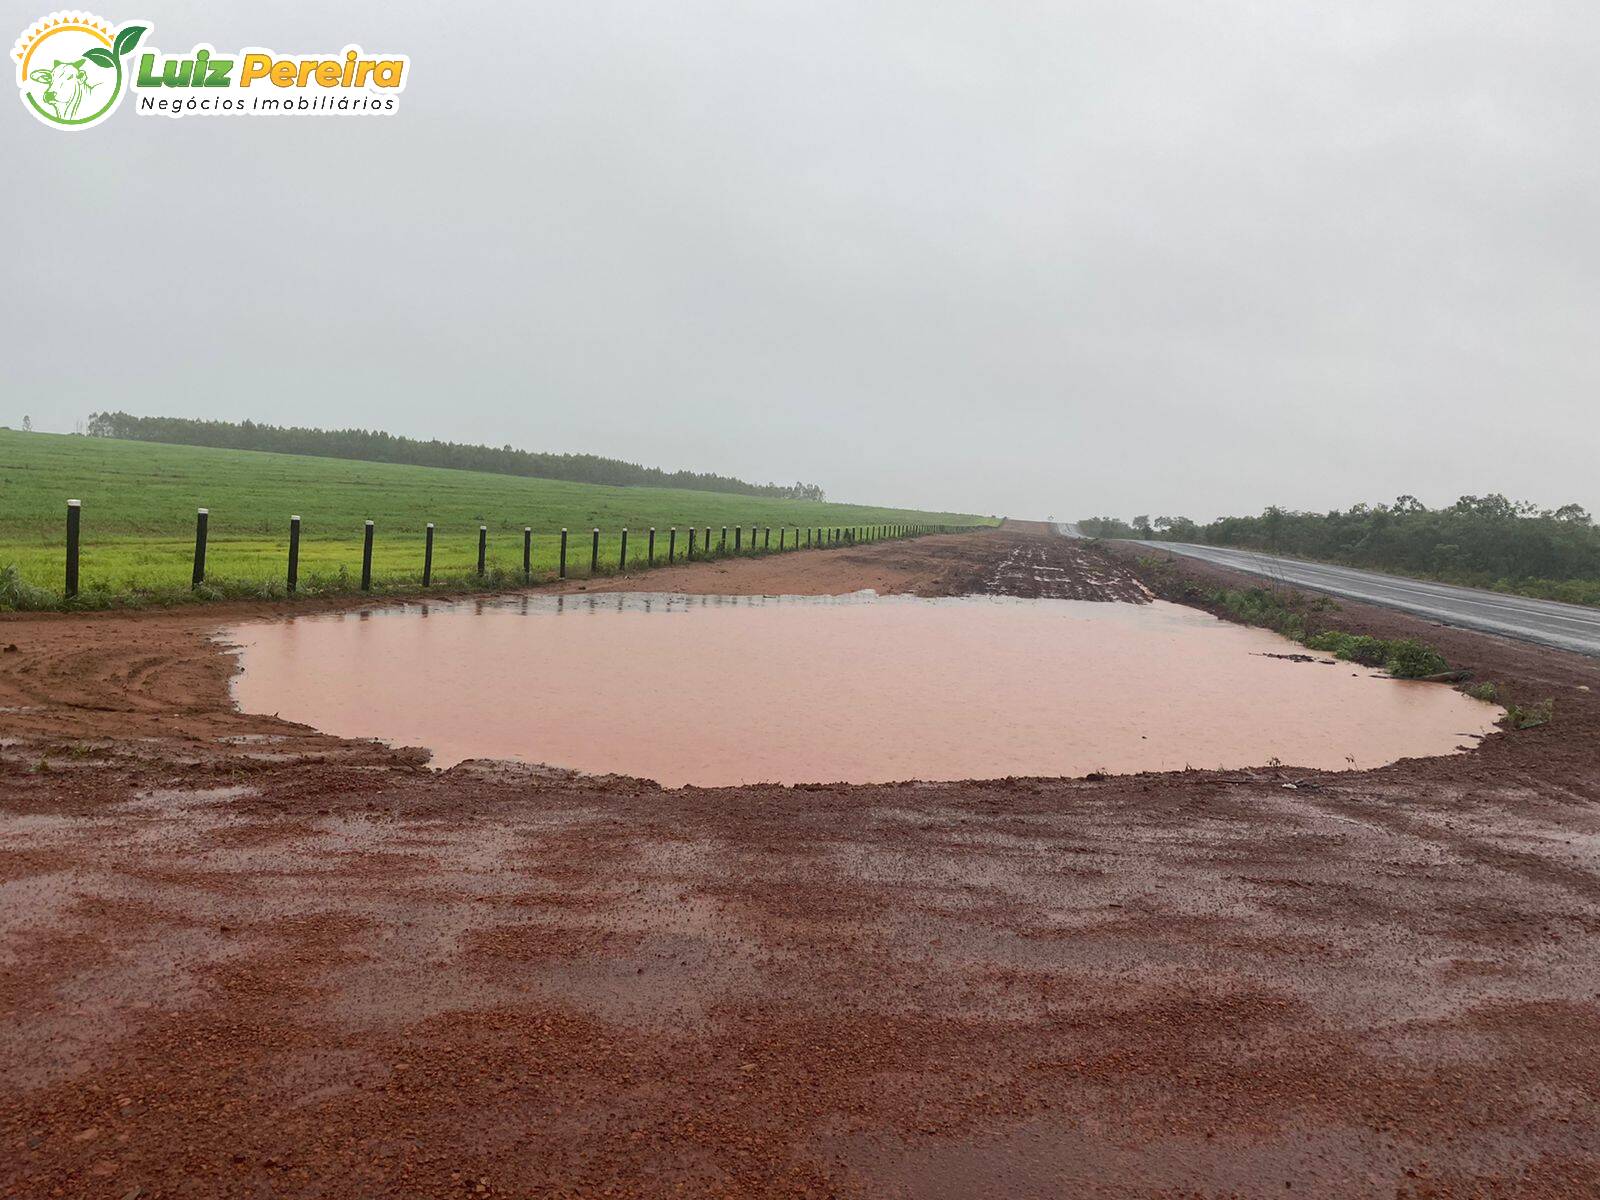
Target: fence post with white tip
x,y
201,518
74,511
294,553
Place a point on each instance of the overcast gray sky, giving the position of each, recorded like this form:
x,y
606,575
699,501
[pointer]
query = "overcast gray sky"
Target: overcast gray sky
x,y
1016,258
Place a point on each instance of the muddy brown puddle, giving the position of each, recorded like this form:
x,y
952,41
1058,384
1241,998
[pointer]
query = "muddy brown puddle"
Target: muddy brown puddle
x,y
728,690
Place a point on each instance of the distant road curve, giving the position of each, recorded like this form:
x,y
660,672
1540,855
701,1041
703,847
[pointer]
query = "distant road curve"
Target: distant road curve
x,y
1547,622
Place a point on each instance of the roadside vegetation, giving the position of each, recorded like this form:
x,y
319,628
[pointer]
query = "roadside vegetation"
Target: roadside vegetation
x,y
1299,617
1306,619
1480,541
1518,716
139,502
1404,658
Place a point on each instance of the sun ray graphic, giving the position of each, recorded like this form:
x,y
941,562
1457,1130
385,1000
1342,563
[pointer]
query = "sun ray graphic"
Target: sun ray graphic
x,y
56,23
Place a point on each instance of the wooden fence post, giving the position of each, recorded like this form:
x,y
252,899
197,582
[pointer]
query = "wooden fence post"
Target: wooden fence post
x,y
366,558
563,554
427,558
622,561
527,554
483,547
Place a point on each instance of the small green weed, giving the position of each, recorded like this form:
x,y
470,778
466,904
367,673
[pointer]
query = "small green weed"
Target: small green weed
x,y
18,595
1530,716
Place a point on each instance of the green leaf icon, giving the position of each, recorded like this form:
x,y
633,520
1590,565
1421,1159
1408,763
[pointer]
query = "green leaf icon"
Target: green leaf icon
x,y
100,57
129,38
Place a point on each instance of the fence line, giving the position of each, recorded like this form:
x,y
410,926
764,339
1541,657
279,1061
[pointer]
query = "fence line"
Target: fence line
x,y
816,538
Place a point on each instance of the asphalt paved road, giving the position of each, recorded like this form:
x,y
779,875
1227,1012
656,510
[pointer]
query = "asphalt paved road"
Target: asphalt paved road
x,y
1565,626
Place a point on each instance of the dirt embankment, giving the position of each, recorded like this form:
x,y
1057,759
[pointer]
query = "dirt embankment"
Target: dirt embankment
x,y
241,959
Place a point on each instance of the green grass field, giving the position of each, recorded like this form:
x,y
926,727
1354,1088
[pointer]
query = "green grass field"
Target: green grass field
x,y
139,502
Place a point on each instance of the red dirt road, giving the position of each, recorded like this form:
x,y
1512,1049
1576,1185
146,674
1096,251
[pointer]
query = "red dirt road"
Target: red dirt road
x,y
241,959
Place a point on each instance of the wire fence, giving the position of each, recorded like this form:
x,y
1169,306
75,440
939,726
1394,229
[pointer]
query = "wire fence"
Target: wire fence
x,y
650,547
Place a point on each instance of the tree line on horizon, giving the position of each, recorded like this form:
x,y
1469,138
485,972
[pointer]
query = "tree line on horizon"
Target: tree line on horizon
x,y
1485,541
373,445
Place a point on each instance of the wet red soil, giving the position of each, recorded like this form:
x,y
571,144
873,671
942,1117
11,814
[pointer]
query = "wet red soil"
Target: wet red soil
x,y
238,958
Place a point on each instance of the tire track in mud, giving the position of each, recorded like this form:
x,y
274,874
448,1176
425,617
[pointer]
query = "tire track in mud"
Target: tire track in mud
x,y
1037,569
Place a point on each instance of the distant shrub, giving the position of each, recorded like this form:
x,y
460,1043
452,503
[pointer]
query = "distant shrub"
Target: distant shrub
x,y
1352,647
1404,658
1408,658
